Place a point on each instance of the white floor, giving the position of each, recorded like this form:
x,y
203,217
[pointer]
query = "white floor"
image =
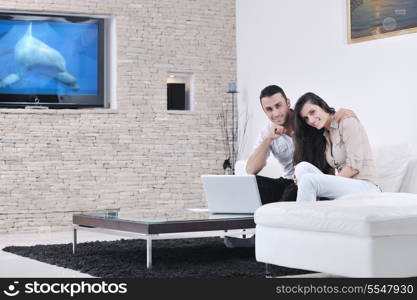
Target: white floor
x,y
14,266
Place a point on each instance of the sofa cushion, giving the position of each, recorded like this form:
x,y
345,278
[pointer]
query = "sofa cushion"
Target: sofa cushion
x,y
380,214
391,164
409,182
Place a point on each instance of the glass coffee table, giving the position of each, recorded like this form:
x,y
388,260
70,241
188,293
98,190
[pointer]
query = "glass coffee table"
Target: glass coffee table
x,y
169,225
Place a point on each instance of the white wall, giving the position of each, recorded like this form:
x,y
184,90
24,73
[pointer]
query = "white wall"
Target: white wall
x,y
301,45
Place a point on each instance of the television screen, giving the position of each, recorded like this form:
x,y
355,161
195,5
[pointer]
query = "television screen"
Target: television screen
x,y
51,60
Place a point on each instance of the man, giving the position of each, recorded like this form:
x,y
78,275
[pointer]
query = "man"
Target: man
x,y
276,137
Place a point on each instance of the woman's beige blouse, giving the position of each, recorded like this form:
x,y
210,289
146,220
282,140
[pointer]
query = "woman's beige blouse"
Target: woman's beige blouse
x,y
350,147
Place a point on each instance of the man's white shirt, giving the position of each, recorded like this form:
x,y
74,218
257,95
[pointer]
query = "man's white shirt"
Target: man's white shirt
x,y
282,148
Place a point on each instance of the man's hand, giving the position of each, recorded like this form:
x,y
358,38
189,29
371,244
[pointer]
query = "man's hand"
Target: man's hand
x,y
343,113
276,131
294,179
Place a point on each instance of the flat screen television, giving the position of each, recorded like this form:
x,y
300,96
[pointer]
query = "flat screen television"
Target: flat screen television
x,y
51,60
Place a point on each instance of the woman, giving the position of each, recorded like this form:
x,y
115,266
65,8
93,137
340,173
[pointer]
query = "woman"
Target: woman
x,y
323,146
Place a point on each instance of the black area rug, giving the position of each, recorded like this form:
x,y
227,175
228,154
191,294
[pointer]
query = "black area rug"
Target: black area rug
x,y
184,258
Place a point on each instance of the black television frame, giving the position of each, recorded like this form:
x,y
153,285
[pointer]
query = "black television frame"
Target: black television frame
x,y
59,100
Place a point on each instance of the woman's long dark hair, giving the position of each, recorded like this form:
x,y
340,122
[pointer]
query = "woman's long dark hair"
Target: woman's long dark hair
x,y
309,143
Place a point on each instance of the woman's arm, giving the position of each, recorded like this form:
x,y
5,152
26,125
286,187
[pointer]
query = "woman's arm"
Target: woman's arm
x,y
355,138
342,114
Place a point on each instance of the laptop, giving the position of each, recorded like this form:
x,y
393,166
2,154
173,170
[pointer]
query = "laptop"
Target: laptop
x,y
231,194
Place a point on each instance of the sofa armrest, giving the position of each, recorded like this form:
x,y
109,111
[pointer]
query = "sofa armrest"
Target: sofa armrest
x,y
272,169
240,167
409,183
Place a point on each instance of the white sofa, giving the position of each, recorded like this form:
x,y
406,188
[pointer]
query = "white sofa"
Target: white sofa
x,y
357,235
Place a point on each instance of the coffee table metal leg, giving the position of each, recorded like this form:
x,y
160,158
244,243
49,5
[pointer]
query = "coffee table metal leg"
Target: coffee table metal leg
x,y
268,271
149,252
74,244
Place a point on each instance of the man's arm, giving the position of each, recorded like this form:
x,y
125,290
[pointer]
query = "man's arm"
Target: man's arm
x,y
257,160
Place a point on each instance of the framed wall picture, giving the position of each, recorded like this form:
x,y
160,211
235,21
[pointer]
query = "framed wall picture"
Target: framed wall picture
x,y
374,19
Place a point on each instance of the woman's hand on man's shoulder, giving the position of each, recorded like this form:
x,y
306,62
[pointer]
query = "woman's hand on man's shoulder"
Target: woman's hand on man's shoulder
x,y
343,114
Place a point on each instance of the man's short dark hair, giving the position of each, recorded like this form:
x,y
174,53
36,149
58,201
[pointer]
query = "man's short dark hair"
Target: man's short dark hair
x,y
271,90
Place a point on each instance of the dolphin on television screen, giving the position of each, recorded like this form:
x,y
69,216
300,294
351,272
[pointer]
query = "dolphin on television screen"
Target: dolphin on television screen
x,y
33,54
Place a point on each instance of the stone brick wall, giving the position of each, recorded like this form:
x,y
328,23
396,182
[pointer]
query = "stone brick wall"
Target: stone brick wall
x,y
139,156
